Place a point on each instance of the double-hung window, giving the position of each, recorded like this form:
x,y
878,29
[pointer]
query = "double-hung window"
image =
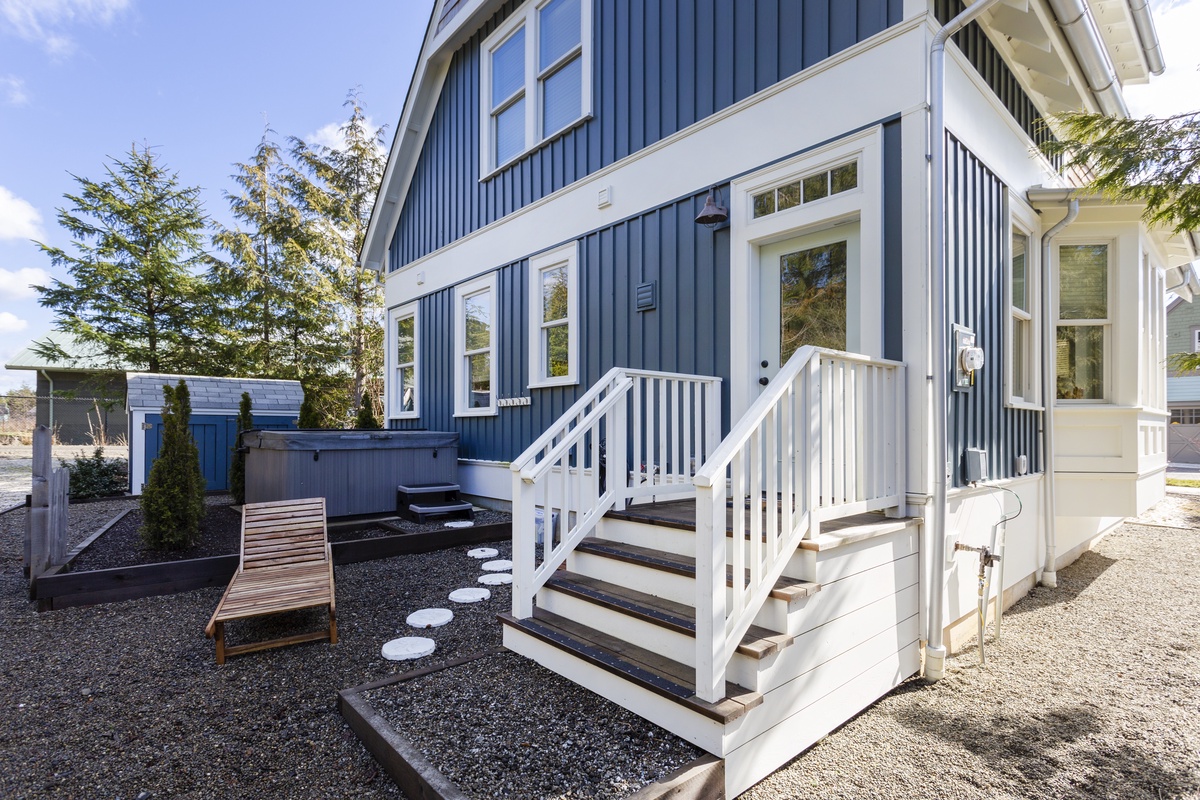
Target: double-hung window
x,y
1022,365
1083,321
554,317
403,398
475,346
536,78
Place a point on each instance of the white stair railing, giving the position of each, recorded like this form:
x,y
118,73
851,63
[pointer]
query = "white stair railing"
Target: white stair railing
x,y
824,440
662,423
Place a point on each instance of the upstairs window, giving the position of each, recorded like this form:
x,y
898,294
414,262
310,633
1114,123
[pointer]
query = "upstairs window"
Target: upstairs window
x,y
536,79
554,318
1083,321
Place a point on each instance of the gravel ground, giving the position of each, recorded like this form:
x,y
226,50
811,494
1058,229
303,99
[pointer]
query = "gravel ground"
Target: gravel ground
x,y
1093,692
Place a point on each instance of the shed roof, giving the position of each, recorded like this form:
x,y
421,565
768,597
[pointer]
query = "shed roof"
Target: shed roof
x,y
215,394
78,356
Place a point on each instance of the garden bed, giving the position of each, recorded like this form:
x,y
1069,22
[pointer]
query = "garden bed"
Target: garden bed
x,y
116,565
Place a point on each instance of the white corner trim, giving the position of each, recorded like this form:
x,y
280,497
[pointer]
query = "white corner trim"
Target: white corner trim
x,y
462,381
568,256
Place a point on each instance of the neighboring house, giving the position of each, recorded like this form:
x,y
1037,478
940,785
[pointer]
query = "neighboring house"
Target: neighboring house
x,y
275,405
1183,388
755,434
78,395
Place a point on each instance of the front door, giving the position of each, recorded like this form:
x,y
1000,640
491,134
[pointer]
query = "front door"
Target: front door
x,y
804,286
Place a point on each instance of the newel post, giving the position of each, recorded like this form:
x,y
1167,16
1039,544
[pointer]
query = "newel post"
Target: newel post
x,y
524,546
710,591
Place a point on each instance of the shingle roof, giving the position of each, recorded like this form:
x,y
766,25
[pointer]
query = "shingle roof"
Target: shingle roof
x,y
213,394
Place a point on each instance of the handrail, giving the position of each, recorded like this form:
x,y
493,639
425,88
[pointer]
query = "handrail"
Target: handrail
x,y
539,444
825,439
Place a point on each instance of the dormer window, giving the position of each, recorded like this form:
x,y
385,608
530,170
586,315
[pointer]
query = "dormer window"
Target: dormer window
x,y
536,79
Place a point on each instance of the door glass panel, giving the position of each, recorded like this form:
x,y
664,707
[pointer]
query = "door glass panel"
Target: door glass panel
x,y
812,299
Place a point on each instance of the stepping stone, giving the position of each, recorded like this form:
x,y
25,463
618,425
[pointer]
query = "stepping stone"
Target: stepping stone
x,y
495,578
472,595
502,565
483,552
407,648
430,617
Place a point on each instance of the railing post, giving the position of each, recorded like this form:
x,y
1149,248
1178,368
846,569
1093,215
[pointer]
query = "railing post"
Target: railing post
x,y
524,546
616,468
710,592
712,417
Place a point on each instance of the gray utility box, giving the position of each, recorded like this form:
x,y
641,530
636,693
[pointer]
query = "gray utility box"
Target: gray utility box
x,y
355,471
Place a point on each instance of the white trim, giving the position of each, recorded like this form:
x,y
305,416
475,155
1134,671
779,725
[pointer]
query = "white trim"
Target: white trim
x,y
462,382
748,235
887,71
1022,218
568,256
391,397
529,17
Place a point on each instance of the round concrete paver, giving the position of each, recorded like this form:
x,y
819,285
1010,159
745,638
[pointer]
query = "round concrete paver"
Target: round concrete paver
x,y
471,595
408,647
495,578
483,552
501,565
430,617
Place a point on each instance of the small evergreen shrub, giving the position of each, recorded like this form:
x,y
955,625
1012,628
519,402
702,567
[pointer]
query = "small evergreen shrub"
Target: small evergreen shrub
x,y
366,416
95,475
237,467
173,500
309,417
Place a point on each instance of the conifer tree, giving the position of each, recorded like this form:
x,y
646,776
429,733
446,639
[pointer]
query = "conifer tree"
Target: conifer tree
x,y
173,498
137,290
366,416
338,189
309,418
237,466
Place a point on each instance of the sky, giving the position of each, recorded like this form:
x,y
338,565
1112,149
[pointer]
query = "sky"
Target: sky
x,y
81,81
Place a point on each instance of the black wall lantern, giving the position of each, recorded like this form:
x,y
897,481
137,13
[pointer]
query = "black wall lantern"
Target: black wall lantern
x,y
713,213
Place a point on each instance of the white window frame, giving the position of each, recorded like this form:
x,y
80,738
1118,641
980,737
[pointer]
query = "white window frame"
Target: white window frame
x,y
1022,219
1196,340
462,380
568,256
527,17
395,315
1106,324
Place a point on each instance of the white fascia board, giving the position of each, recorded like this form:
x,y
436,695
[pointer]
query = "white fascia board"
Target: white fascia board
x,y
889,75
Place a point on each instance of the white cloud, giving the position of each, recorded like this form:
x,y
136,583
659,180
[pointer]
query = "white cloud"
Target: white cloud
x,y
18,284
14,90
11,323
1177,90
45,21
18,218
331,136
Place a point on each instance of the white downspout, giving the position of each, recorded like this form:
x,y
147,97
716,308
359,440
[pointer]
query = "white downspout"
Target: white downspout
x,y
1050,393
935,650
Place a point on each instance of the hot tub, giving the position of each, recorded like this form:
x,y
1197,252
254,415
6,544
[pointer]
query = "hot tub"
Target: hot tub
x,y
355,471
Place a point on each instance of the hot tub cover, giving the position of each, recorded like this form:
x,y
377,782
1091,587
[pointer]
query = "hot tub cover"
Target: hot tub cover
x,y
348,440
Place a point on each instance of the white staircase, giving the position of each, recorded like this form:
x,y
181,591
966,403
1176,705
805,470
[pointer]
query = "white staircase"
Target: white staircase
x,y
757,597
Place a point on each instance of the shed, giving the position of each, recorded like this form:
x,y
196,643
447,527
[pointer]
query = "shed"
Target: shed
x,y
275,405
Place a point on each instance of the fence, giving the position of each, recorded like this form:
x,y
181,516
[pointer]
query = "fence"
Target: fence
x,y
75,420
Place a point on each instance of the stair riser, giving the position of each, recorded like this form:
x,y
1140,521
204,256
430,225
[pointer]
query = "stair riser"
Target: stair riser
x,y
868,586
696,728
667,642
841,562
659,537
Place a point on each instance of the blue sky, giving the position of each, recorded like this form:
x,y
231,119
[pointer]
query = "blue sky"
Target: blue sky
x,y
81,80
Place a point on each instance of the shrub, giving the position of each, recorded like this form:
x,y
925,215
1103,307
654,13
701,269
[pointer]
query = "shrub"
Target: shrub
x,y
96,476
173,500
237,467
366,416
309,418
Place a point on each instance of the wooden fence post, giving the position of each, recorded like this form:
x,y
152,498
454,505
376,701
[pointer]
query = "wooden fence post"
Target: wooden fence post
x,y
46,523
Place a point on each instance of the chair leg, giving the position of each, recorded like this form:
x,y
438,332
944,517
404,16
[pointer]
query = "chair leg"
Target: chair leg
x,y
332,626
220,638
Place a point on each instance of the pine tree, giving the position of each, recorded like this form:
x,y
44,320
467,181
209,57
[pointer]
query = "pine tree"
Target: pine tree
x,y
136,290
173,498
237,466
339,190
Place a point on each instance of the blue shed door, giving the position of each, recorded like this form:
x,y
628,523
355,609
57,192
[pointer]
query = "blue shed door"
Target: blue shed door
x,y
215,437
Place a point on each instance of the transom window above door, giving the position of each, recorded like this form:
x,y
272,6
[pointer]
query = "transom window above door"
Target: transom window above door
x,y
536,78
809,189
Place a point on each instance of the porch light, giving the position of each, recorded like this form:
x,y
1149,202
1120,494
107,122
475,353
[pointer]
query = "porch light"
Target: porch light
x,y
712,214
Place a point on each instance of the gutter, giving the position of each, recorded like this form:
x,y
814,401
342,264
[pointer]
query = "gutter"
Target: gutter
x,y
935,649
1078,25
1049,394
1143,23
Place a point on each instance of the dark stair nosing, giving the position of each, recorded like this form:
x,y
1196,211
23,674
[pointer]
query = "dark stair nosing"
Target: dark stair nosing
x,y
786,588
633,664
757,643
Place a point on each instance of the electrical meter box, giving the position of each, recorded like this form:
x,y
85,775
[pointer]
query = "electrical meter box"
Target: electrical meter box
x,y
975,465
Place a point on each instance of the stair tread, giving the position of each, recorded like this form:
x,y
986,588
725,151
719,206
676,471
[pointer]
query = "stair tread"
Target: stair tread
x,y
433,508
650,670
758,642
786,588
426,488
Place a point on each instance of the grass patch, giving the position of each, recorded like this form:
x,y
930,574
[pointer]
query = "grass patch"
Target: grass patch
x,y
1190,484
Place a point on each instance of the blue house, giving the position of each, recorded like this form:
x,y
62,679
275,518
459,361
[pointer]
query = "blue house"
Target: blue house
x,y
763,309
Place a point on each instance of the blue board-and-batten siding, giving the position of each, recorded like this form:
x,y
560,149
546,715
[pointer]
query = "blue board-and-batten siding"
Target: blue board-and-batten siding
x,y
658,67
977,250
688,331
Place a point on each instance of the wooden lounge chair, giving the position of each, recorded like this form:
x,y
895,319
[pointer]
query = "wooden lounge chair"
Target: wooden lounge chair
x,y
286,565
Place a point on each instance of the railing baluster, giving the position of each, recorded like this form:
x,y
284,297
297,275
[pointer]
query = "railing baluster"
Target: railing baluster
x,y
687,447
664,402
737,539
787,469
678,431
637,430
772,498
815,446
